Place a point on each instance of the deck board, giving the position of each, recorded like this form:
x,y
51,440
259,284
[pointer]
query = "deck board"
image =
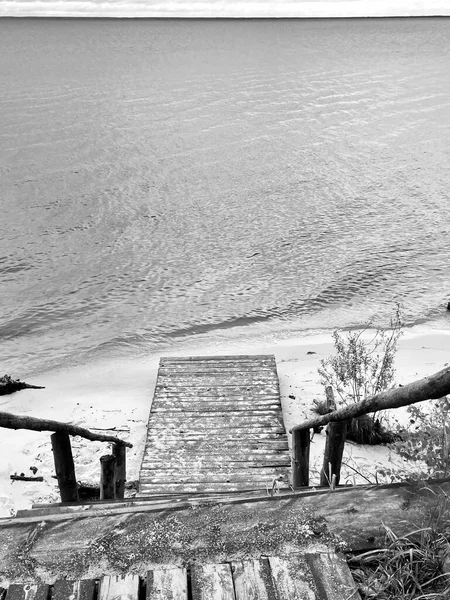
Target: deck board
x,y
167,584
215,425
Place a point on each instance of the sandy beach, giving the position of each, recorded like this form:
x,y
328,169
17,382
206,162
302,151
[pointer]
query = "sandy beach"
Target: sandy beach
x,y
115,396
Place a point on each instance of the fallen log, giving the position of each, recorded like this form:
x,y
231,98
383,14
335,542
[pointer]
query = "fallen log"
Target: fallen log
x,y
9,385
431,387
25,478
10,421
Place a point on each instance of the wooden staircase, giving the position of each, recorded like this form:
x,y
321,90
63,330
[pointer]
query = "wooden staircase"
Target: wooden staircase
x,y
215,425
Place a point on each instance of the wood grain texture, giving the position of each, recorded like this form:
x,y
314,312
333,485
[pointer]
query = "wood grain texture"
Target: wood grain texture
x,y
27,592
215,425
253,580
83,589
117,587
293,579
212,582
167,584
332,575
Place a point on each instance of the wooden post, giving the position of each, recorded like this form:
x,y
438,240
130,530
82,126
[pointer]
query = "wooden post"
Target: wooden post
x,y
331,403
64,467
119,452
108,477
334,446
300,458
334,449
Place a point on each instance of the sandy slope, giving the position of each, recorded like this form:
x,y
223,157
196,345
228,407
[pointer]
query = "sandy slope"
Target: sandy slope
x,y
117,395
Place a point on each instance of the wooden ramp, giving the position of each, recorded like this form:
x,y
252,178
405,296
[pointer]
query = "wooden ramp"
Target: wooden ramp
x,y
309,576
215,425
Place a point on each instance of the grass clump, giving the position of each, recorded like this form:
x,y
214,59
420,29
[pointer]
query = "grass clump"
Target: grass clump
x,y
408,567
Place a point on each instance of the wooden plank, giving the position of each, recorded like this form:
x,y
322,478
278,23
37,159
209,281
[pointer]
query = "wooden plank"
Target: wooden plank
x,y
253,580
332,576
213,370
217,459
65,589
193,380
27,591
123,587
222,391
234,428
293,579
204,487
190,409
258,452
275,442
220,358
240,396
231,418
212,582
202,422
167,584
212,476
220,465
205,403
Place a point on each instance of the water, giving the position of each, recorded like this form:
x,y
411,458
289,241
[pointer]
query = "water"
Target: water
x,y
183,180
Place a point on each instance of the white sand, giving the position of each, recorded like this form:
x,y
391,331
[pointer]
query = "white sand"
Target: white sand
x,y
117,394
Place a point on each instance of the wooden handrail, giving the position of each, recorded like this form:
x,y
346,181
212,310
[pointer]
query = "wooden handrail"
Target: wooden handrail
x,y
10,421
429,388
113,478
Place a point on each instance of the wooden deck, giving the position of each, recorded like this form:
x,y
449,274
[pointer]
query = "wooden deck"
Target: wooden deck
x,y
215,425
312,576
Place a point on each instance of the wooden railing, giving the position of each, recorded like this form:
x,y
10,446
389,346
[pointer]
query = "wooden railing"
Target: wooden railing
x,y
430,388
112,466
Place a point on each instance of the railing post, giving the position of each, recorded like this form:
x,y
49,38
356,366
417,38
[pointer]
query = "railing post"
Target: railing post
x,y
119,452
64,467
107,477
331,403
300,457
334,446
334,449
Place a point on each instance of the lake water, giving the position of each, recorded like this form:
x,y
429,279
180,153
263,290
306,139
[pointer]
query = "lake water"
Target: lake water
x,y
173,182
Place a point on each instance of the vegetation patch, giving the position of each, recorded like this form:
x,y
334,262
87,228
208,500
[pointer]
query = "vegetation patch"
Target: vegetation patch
x,y
415,566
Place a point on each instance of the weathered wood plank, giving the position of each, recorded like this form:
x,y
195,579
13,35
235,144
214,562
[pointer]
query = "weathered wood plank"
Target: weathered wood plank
x,y
220,358
212,476
74,590
115,587
218,460
190,410
332,576
293,579
167,584
212,582
236,427
231,418
179,488
27,591
253,580
240,395
213,370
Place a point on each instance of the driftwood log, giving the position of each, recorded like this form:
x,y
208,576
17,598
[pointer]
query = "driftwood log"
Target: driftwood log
x,y
9,385
429,388
10,421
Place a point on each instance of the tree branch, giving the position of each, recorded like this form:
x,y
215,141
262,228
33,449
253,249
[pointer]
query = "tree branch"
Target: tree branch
x,y
429,388
10,421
